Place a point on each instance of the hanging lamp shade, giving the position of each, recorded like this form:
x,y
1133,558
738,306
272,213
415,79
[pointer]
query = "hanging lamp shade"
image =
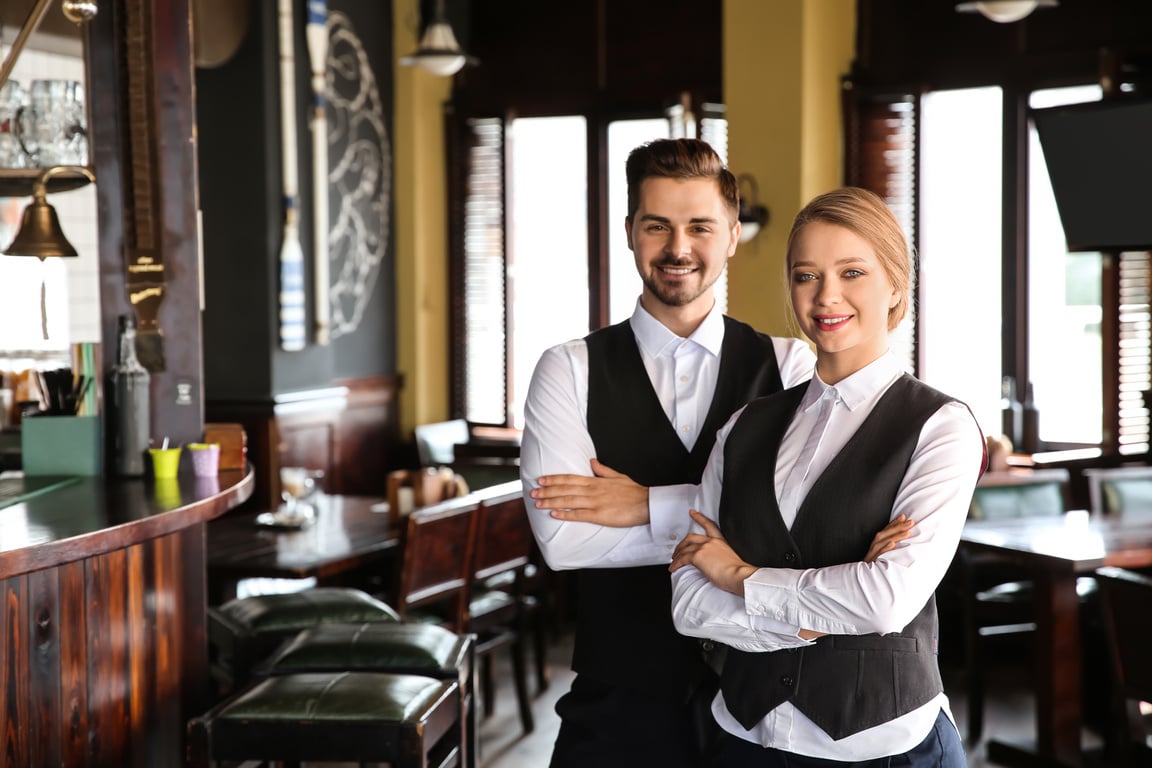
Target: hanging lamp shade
x,y
1005,11
439,52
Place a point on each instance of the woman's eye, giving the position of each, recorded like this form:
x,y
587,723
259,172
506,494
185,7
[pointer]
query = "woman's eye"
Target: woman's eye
x,y
803,277
853,273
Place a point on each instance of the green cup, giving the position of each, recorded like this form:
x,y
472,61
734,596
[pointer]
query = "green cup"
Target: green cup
x,y
165,462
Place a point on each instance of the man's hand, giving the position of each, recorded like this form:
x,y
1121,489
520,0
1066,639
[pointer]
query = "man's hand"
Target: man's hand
x,y
608,498
710,553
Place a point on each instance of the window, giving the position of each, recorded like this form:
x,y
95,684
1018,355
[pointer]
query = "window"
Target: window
x,y
1071,328
1065,350
959,249
529,270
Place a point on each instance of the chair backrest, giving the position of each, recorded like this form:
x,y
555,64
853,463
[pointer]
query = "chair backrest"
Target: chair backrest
x,y
1020,493
436,442
503,534
1126,599
1118,491
436,565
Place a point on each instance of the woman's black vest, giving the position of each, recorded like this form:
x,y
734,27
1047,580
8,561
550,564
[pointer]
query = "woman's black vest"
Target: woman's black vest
x,y
843,683
624,631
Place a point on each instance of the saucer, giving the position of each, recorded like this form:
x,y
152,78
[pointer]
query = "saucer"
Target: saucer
x,y
281,518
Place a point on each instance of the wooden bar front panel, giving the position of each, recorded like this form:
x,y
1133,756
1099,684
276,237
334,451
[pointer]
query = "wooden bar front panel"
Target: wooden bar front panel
x,y
105,657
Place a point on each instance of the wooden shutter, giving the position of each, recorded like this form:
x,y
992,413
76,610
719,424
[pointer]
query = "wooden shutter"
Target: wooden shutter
x,y
881,155
1134,342
479,288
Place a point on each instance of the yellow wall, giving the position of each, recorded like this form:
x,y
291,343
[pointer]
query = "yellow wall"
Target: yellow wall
x,y
783,61
421,233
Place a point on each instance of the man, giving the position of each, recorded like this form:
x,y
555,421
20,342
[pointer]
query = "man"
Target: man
x,y
618,427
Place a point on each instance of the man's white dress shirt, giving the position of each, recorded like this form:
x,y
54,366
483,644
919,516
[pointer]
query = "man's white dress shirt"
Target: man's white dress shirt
x,y
853,599
683,373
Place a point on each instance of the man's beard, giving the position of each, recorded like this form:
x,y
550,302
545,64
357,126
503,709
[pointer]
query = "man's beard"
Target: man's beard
x,y
676,295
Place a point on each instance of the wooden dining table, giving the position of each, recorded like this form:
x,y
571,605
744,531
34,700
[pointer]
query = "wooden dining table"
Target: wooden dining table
x,y
350,533
1057,550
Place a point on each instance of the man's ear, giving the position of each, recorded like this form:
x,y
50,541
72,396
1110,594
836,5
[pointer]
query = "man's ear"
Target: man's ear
x,y
628,231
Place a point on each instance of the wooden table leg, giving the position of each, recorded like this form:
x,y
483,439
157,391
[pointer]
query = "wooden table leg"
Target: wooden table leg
x,y
1058,680
1058,668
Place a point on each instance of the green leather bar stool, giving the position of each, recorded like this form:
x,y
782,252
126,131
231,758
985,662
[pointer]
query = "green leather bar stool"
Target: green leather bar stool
x,y
408,648
408,721
242,632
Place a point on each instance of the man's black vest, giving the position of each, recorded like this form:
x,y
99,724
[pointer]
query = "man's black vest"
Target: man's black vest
x,y
624,629
843,683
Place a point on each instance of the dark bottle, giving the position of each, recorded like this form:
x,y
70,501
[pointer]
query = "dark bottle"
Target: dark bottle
x,y
1011,411
1030,424
130,405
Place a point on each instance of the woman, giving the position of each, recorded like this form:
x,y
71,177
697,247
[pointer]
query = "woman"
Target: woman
x,y
831,658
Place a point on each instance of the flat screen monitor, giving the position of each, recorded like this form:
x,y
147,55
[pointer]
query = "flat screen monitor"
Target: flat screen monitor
x,y
1099,157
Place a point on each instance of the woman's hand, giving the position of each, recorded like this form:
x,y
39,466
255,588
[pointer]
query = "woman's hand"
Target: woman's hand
x,y
712,556
889,536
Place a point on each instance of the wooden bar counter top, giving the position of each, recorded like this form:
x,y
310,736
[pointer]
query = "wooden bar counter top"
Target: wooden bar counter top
x,y
104,611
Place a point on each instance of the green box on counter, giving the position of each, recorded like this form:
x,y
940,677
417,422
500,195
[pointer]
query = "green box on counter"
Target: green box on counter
x,y
61,445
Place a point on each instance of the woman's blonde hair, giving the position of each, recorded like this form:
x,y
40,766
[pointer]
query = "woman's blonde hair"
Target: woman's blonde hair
x,y
866,214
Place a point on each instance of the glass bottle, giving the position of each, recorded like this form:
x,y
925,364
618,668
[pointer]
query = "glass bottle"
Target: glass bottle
x,y
1011,411
130,404
1030,424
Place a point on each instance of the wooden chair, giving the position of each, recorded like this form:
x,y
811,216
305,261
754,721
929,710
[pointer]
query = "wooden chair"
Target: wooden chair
x,y
436,442
995,595
1118,491
499,606
1126,602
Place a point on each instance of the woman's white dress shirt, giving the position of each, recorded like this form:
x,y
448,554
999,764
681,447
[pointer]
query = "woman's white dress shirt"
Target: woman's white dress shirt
x,y
853,599
683,372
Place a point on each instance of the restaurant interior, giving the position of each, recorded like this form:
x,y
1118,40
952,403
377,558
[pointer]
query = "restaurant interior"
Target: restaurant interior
x,y
307,253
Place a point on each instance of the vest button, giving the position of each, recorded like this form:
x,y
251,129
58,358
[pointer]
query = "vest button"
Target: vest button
x,y
707,646
786,681
789,557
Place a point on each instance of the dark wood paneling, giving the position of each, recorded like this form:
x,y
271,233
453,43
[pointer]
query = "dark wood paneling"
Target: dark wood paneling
x,y
352,433
44,673
106,657
73,665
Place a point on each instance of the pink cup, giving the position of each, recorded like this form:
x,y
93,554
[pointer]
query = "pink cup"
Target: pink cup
x,y
205,459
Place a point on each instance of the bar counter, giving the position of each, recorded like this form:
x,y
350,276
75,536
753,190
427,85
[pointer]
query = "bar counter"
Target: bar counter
x,y
104,589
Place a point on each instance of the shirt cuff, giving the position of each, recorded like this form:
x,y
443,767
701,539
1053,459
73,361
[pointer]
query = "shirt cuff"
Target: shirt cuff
x,y
668,507
768,592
